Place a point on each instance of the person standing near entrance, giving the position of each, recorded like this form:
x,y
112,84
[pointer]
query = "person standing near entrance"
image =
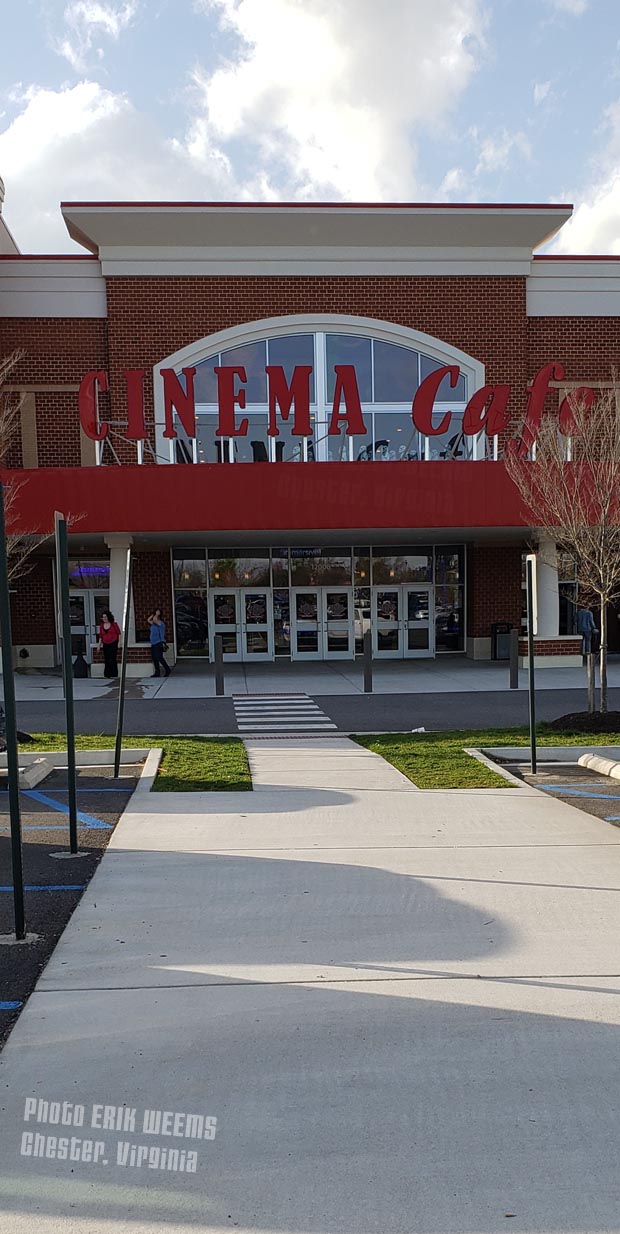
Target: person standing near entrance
x,y
158,642
586,627
109,636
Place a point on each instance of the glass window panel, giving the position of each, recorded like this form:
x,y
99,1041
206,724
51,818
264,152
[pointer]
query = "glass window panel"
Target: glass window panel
x,y
209,448
191,623
288,447
254,447
183,445
101,607
449,618
452,444
189,571
396,373
307,607
396,437
568,608
89,574
566,567
310,566
205,381
279,567
418,638
410,565
253,357
224,609
256,642
361,615
361,558
349,349
418,605
450,564
307,640
77,610
282,622
388,638
290,350
229,643
387,606
233,570
255,604
446,393
337,606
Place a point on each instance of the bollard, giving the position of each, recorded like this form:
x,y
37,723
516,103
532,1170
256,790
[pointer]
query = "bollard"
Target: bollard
x,y
591,673
514,659
219,665
367,662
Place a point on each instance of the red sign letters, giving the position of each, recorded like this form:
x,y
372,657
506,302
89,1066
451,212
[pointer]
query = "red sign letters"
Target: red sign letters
x,y
487,411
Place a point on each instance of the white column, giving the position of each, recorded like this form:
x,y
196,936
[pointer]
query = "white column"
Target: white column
x,y
547,590
119,546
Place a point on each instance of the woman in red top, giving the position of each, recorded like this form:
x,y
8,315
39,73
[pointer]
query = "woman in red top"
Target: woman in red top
x,y
109,635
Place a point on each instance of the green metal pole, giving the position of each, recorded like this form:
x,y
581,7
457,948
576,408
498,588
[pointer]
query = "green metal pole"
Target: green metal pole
x,y
121,686
62,573
11,730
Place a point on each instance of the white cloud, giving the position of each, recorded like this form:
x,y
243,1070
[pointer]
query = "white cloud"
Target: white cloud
x,y
595,225
333,91
575,8
455,181
88,20
541,91
85,142
318,99
496,152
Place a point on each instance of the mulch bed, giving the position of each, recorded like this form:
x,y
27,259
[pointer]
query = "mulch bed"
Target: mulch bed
x,y
588,722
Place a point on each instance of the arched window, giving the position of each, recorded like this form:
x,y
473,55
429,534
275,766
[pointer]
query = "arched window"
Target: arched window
x,y
390,362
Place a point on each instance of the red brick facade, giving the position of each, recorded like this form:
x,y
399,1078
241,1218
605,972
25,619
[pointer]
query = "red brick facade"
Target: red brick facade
x,y
493,587
32,605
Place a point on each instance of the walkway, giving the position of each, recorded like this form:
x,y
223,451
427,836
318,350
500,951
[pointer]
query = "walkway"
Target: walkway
x,y
278,713
401,1007
195,679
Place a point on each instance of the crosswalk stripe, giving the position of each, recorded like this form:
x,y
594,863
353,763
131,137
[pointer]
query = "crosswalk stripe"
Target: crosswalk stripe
x,y
281,714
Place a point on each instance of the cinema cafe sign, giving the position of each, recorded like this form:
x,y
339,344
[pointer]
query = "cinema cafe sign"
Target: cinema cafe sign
x,y
488,410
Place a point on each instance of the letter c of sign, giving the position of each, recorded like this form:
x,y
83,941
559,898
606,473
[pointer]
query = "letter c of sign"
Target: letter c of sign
x,y
91,383
422,410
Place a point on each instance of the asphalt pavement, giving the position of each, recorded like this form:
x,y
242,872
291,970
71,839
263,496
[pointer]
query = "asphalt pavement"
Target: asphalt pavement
x,y
351,712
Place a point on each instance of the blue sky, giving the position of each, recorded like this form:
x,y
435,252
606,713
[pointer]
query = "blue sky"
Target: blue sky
x,y
472,100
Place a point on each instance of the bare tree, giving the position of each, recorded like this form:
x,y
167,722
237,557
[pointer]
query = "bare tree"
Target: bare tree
x,y
571,488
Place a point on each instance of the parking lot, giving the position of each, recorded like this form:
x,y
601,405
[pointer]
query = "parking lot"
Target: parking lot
x,y
54,880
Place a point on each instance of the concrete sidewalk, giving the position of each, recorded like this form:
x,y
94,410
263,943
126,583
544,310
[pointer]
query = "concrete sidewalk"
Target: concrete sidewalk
x,y
195,679
400,1006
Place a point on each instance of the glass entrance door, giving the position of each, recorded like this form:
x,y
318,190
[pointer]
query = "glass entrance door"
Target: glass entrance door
x,y
86,609
245,621
387,631
256,625
322,623
403,622
418,622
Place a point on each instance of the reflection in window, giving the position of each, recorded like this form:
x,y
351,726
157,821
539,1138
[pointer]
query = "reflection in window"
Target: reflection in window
x,y
290,350
413,565
395,373
396,437
449,625
446,392
189,572
310,566
239,567
191,623
253,357
348,349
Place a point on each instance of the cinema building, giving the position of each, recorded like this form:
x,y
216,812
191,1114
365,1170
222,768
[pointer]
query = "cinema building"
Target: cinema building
x,y
227,390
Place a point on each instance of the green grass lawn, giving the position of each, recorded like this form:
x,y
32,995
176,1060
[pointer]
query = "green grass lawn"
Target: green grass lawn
x,y
437,760
189,764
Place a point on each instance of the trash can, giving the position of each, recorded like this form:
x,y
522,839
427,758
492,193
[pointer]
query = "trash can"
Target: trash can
x,y
500,640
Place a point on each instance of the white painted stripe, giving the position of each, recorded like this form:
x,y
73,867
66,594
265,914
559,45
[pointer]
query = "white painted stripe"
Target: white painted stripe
x,y
268,698
274,706
279,711
290,728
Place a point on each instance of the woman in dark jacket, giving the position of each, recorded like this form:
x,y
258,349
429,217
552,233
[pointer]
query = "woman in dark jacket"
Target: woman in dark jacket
x,y
109,636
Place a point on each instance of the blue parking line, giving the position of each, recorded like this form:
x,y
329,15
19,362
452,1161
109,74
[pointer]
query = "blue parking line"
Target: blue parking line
x,y
573,792
87,820
613,818
10,1006
50,887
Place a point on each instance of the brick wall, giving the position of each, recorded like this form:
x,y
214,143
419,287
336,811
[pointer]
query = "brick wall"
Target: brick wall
x,y
493,587
152,588
588,347
32,605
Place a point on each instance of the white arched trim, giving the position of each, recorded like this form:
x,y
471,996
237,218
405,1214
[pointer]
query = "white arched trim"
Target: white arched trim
x,y
310,323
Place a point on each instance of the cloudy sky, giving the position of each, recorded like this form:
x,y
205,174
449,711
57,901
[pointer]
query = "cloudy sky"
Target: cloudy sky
x,y
378,100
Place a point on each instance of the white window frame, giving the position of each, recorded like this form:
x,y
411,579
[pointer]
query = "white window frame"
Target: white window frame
x,y
319,325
